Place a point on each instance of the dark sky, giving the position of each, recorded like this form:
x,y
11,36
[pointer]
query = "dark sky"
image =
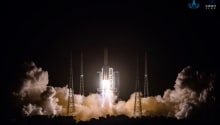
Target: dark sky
x,y
44,32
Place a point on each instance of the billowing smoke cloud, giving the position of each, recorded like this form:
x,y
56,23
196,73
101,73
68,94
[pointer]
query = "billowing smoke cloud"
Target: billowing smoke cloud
x,y
191,90
37,96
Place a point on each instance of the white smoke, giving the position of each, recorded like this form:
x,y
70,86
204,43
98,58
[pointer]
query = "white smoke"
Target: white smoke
x,y
37,96
34,83
190,90
32,110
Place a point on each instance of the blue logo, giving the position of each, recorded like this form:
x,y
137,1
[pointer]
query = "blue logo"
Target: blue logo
x,y
194,5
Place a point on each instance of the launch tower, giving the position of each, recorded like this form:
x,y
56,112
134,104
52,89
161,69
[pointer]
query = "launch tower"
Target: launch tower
x,y
146,86
71,103
81,86
137,100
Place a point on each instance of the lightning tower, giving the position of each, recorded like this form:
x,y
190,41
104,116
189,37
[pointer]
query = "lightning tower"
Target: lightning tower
x,y
146,87
137,100
71,103
117,82
81,87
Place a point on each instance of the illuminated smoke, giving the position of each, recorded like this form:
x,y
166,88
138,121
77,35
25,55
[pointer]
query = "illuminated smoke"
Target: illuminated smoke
x,y
191,89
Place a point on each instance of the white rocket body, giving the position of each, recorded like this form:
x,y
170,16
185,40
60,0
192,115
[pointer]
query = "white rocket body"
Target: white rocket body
x,y
107,80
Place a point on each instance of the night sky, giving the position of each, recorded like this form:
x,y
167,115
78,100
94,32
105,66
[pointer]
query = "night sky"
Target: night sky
x,y
44,32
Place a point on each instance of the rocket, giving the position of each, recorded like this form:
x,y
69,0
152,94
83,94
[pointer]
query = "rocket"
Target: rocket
x,y
108,82
106,76
105,68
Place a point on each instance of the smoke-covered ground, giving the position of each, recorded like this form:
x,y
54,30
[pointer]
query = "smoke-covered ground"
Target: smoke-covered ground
x,y
191,96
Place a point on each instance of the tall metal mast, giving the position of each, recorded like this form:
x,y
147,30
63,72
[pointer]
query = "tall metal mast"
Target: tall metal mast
x,y
137,101
146,86
118,81
81,89
71,103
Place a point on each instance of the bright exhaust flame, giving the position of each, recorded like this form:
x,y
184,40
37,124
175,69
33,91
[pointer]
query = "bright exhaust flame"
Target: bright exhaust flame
x,y
107,93
106,85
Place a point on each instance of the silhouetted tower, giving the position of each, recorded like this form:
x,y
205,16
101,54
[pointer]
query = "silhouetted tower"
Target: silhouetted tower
x,y
117,74
81,87
137,100
71,103
146,86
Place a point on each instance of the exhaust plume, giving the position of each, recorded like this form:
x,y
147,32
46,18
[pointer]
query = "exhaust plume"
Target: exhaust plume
x,y
192,89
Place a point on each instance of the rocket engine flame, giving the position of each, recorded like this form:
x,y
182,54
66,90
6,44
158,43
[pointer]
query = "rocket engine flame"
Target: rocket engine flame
x,y
106,85
107,93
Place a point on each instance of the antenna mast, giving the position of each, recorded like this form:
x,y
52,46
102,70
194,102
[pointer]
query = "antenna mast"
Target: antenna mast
x,y
146,86
137,101
71,103
81,89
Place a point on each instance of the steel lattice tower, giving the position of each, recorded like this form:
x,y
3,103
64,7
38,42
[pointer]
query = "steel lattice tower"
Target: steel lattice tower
x,y
71,103
118,81
137,100
81,87
146,86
